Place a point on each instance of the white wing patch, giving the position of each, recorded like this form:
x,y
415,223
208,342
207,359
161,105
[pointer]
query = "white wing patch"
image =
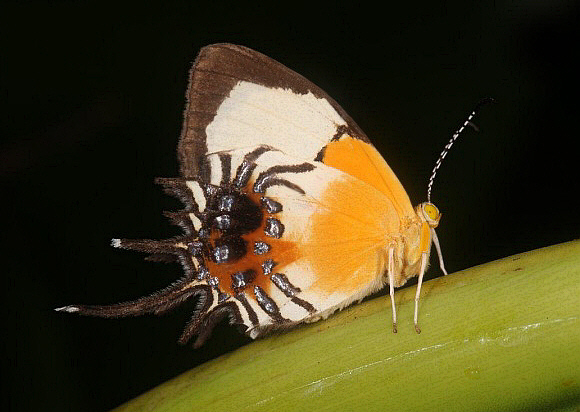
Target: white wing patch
x,y
253,115
197,192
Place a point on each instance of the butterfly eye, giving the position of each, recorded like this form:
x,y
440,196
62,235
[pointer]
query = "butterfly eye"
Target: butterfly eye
x,y
431,213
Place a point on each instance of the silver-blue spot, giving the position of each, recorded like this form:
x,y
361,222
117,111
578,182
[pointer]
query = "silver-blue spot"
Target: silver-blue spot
x,y
221,253
282,282
239,280
202,273
213,282
265,301
271,205
226,203
274,228
267,266
222,297
223,222
261,248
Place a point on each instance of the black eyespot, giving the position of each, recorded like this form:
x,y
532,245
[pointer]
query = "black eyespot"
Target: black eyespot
x,y
233,213
229,249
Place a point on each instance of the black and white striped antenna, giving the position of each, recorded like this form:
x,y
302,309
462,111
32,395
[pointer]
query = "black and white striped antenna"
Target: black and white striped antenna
x,y
447,147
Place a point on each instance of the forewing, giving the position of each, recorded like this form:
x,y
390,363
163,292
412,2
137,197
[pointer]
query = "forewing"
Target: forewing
x,y
238,97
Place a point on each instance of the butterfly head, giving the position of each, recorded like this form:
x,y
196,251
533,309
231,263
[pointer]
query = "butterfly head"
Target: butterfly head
x,y
429,212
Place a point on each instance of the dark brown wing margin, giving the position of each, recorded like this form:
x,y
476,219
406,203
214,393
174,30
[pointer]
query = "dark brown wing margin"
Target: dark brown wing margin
x,y
216,70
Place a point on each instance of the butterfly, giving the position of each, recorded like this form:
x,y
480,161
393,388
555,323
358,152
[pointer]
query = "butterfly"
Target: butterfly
x,y
290,212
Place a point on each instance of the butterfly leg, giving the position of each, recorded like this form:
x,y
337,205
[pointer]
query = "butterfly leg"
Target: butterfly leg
x,y
438,248
391,274
424,257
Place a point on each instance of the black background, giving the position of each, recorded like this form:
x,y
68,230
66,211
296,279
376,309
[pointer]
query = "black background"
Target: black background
x,y
93,95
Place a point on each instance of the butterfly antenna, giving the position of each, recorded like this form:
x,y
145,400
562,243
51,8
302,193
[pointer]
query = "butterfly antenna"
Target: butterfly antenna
x,y
447,147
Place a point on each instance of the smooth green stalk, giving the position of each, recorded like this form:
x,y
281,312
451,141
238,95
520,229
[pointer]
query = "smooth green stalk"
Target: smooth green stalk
x,y
503,336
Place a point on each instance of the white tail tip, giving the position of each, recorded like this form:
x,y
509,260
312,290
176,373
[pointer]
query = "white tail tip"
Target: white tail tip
x,y
68,309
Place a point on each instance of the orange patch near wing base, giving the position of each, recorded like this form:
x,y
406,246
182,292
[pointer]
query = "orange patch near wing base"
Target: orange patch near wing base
x,y
348,237
363,161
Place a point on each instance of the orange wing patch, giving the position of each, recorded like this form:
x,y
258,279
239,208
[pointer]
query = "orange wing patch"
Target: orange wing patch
x,y
345,246
284,252
361,160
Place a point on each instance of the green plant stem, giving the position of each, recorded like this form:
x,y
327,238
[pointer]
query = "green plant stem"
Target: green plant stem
x,y
503,336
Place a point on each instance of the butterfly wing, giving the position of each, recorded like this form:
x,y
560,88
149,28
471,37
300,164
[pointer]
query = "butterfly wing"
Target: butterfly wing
x,y
288,204
239,99
239,84
328,249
